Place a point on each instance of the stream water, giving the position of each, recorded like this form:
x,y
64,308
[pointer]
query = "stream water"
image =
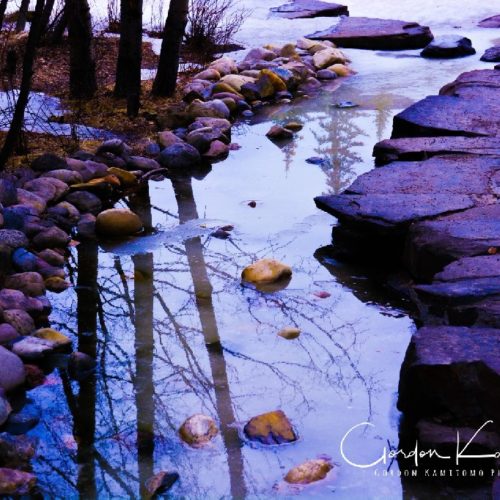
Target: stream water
x,y
176,333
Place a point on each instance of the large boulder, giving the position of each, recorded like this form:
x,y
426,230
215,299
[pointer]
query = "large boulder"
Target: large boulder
x,y
118,222
11,370
375,34
179,156
448,47
299,9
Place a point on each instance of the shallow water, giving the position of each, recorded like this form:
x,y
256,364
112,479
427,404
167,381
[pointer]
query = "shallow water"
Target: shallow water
x,y
176,333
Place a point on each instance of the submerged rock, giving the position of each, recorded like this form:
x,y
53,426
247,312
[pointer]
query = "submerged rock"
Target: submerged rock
x,y
266,271
289,333
270,428
448,47
198,430
278,132
118,222
309,472
161,482
16,482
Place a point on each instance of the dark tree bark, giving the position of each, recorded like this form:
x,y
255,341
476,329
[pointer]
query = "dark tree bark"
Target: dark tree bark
x,y
82,77
47,12
173,33
22,16
3,6
13,135
128,68
58,27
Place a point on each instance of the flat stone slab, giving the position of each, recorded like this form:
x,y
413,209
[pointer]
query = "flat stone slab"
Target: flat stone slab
x,y
490,22
452,373
299,9
483,266
433,244
421,148
407,192
376,34
478,84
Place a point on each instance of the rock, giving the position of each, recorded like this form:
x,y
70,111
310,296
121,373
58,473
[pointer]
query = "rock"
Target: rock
x,y
309,472
67,176
13,238
202,138
211,109
88,169
85,201
118,222
179,156
34,376
327,57
294,126
161,482
421,148
57,284
52,257
16,482
435,243
16,451
143,164
31,200
266,271
310,85
20,320
30,283
326,74
53,336
270,428
375,34
217,151
8,193
7,333
237,81
48,162
289,333
298,9
14,299
448,47
127,179
224,65
47,188
490,22
198,430
260,54
305,43
103,187
208,74
278,84
168,138
5,410
491,55
80,365
114,146
52,238
459,110
22,421
288,51
451,372
86,227
221,124
11,370
277,132
24,260
32,348
340,70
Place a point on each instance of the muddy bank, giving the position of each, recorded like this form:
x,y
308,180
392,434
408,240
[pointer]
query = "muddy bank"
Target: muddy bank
x,y
434,207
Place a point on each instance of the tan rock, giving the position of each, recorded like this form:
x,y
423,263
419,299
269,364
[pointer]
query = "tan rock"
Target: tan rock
x,y
118,222
309,472
270,428
266,271
53,335
289,333
198,430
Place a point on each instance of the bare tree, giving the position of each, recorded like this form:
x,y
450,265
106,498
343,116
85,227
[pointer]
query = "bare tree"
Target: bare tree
x,y
128,69
3,7
82,76
173,33
13,135
22,16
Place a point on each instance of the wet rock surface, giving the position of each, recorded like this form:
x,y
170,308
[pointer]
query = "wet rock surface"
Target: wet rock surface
x,y
298,9
376,34
309,472
448,47
270,428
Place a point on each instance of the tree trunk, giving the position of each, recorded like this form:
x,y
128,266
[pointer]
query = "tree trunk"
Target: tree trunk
x,y
22,16
16,124
173,33
59,26
3,7
128,68
82,77
47,12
